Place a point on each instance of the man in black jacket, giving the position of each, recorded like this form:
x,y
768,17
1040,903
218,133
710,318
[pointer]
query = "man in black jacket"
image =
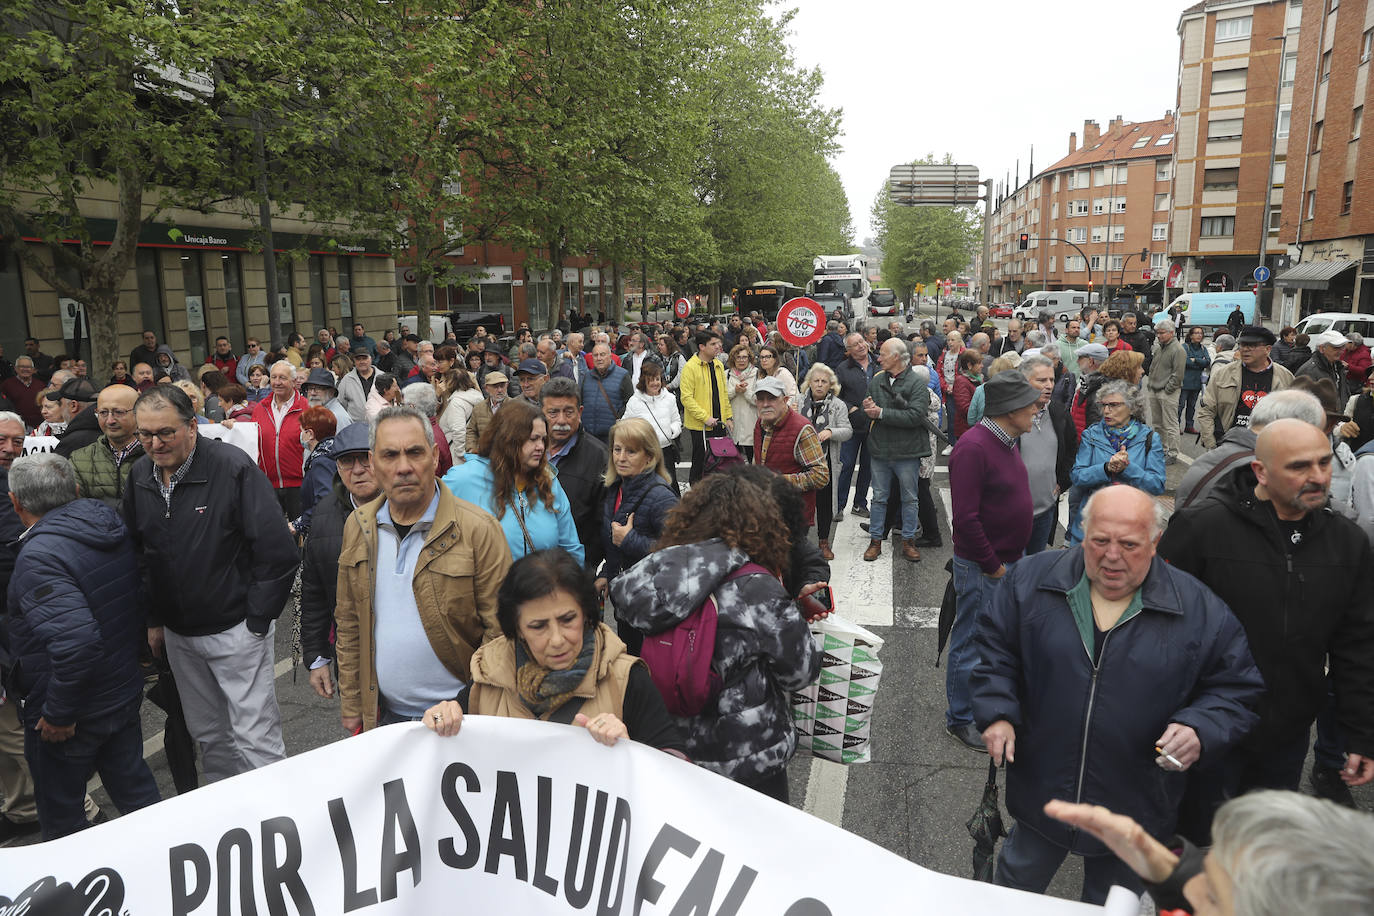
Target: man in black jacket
x,y
1300,578
354,485
854,373
78,397
580,460
217,561
1141,338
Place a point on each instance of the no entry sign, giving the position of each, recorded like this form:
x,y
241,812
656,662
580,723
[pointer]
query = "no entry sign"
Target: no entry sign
x,y
682,308
801,321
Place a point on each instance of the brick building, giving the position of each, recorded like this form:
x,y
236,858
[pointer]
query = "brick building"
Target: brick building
x,y
1330,236
1110,198
1237,60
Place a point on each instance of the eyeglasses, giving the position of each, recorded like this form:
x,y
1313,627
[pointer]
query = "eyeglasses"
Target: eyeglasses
x,y
1112,404
347,462
117,413
164,435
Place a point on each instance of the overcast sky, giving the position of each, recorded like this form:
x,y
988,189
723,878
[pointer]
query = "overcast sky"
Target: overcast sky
x,y
981,79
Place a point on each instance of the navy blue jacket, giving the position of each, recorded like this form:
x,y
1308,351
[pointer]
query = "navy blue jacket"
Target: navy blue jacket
x,y
75,619
600,411
830,350
649,497
1088,734
316,482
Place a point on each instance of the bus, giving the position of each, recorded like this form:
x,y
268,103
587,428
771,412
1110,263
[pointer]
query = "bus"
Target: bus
x,y
766,297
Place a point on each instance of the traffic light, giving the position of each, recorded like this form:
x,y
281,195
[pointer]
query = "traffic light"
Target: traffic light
x,y
1025,240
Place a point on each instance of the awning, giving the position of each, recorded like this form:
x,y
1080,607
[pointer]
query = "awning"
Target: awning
x,y
1313,274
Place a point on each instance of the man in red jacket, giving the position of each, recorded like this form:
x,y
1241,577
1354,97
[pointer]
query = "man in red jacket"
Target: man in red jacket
x,y
280,453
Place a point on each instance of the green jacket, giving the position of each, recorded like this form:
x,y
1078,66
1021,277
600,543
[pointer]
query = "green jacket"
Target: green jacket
x,y
893,436
97,474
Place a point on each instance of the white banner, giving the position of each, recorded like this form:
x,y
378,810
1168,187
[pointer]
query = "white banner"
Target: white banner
x,y
244,434
509,817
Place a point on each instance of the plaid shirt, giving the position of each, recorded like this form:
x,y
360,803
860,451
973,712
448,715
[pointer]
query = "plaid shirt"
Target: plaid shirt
x,y
810,454
177,476
1000,433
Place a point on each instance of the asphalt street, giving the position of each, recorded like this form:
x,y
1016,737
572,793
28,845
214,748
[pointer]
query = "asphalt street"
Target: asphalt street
x,y
920,787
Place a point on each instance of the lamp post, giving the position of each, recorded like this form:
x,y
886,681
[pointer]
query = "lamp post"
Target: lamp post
x,y
1269,178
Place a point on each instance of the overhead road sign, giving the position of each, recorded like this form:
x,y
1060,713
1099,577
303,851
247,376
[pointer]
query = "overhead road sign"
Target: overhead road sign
x,y
934,185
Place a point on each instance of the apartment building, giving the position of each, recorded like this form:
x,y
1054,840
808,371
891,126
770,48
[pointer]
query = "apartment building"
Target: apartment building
x,y
1329,234
1090,216
1238,61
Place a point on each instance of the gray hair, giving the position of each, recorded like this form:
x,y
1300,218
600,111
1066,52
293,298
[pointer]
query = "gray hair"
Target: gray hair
x,y
528,351
1037,338
9,416
1030,363
43,482
1166,325
1355,338
560,387
1287,852
977,340
281,362
1158,517
24,359
922,374
1288,404
1050,351
423,397
1129,393
850,336
1224,342
399,412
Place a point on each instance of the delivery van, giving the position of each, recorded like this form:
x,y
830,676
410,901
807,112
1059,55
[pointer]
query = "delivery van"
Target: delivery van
x,y
1062,303
1211,309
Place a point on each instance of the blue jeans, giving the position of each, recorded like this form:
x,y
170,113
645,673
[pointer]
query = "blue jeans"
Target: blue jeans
x,y
908,472
1028,862
111,745
854,452
973,591
1041,528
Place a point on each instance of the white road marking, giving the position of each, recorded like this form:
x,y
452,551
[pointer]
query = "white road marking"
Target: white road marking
x,y
949,509
825,789
1186,459
863,591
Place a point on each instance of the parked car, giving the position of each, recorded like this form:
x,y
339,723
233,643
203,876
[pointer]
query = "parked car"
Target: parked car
x,y
1341,322
1001,310
465,324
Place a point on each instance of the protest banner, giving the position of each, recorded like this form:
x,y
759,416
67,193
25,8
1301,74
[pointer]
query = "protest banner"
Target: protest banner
x,y
510,816
242,434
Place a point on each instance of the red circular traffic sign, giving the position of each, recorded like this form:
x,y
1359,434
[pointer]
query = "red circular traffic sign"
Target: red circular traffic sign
x,y
682,308
801,321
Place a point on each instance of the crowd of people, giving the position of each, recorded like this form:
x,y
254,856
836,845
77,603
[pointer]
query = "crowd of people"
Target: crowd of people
x,y
495,527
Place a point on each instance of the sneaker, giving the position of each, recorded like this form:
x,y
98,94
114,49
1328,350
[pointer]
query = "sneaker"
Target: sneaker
x,y
13,830
860,511
967,735
1327,783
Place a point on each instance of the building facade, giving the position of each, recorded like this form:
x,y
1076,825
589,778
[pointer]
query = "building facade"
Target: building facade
x,y
1090,217
1236,85
1329,234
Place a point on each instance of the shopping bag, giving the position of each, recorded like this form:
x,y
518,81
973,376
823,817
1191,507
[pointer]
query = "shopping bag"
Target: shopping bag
x,y
832,716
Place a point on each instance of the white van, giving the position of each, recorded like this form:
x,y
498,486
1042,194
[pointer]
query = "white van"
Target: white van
x,y
1063,303
439,325
1341,322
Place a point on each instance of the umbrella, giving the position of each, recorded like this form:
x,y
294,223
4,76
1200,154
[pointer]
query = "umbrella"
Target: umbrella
x,y
985,826
948,607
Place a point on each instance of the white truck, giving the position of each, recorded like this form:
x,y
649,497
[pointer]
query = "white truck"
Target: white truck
x,y
840,281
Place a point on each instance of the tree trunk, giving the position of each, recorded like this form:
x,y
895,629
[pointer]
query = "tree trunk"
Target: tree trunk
x,y
617,293
556,303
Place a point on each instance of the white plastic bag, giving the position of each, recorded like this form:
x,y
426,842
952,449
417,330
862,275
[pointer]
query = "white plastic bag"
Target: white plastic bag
x,y
832,716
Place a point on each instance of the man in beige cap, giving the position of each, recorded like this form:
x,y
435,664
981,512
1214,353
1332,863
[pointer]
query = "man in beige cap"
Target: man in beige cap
x,y
497,388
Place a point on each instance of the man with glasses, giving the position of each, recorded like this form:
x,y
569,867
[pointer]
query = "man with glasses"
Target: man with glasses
x,y
251,357
102,468
1234,389
218,562
854,374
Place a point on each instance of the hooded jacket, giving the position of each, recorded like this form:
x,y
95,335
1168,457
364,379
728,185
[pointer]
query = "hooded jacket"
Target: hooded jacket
x,y
1084,731
76,622
175,370
1298,605
763,650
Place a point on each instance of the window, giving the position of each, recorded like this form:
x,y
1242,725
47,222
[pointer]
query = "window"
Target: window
x,y
1142,142
1368,45
1220,179
1052,263
1099,233
1119,205
1073,263
1164,140
1317,130
14,318
193,285
1356,122
1157,260
345,290
1290,68
1347,192
1097,262
1218,226
1162,171
1225,128
1100,176
1161,202
1078,208
1083,175
1280,172
1056,184
1285,121
1118,233
1326,66
1275,217
1080,234
150,293
286,314
315,271
1100,205
232,267
1118,262
1229,80
1311,204
1233,29
1054,210
1159,232
1121,174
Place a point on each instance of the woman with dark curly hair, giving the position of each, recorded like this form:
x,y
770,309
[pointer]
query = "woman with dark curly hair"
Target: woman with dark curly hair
x,y
554,661
510,477
727,541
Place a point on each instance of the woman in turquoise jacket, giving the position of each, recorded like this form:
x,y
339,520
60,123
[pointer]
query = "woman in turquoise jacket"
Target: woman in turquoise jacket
x,y
510,477
1120,449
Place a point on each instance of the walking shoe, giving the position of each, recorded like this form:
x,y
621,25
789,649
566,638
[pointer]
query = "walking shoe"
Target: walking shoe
x,y
967,735
13,830
875,550
1326,782
1191,431
932,541
863,526
826,552
909,551
860,511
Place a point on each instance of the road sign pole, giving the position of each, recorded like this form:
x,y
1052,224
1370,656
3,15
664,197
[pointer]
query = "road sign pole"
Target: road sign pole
x,y
986,278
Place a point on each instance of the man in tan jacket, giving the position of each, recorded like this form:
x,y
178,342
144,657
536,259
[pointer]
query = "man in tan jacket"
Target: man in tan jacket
x,y
418,575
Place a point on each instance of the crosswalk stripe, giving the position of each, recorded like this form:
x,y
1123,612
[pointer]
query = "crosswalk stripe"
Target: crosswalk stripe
x,y
863,591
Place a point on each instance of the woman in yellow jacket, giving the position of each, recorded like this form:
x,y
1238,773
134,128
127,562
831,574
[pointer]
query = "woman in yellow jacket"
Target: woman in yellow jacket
x,y
555,661
705,406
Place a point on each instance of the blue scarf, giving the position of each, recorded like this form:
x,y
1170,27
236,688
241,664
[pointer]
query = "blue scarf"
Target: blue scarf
x,y
1118,438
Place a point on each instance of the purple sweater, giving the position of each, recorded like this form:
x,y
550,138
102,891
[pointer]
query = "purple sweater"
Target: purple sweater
x,y
990,496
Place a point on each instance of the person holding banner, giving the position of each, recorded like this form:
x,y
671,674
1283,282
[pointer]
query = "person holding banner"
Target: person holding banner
x,y
557,662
